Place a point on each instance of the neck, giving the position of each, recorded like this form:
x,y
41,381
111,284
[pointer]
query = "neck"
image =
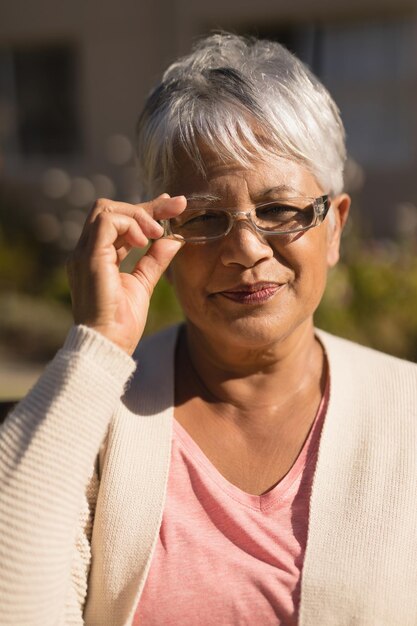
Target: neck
x,y
245,379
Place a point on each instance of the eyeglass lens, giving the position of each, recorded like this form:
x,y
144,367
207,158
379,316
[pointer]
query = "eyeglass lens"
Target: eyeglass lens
x,y
270,217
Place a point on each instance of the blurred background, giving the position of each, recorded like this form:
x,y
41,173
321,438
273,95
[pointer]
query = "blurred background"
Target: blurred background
x,y
73,77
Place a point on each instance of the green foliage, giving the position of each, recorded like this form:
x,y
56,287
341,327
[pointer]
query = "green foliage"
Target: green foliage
x,y
371,297
18,265
164,309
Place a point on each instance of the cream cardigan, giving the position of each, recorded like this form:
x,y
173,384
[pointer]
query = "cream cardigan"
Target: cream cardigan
x,y
361,560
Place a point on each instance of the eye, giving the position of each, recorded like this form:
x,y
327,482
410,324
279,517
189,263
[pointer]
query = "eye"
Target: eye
x,y
198,216
200,223
278,211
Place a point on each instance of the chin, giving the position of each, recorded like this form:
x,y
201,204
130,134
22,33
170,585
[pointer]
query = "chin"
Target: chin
x,y
251,332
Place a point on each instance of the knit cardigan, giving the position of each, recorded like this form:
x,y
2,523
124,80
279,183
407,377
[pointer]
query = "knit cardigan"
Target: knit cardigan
x,y
83,475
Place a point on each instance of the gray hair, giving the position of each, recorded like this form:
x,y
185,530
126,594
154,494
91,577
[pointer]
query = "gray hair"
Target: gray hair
x,y
242,98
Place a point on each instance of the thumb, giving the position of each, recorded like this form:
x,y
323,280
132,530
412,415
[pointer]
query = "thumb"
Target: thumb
x,y
149,269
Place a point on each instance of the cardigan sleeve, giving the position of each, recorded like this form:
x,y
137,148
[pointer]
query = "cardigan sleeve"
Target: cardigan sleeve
x,y
48,484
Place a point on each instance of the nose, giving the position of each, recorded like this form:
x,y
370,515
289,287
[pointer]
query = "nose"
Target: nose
x,y
244,245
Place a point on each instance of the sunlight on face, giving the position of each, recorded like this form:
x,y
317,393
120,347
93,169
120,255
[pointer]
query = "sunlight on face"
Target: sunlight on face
x,y
249,288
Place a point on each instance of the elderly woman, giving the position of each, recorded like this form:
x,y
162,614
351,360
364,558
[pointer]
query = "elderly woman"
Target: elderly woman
x,y
243,467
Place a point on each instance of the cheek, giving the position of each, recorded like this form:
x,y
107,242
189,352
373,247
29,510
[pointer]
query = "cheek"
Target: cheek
x,y
315,275
307,257
189,273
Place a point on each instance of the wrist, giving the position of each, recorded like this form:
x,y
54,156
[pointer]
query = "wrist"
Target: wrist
x,y
90,341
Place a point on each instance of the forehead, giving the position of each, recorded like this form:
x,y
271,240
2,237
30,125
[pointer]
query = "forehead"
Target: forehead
x,y
231,180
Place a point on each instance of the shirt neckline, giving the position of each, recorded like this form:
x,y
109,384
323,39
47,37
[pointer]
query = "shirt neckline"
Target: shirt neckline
x,y
282,490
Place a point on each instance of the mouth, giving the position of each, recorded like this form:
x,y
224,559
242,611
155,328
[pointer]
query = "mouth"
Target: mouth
x,y
256,293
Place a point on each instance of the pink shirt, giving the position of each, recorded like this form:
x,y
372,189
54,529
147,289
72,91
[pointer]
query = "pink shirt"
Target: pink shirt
x,y
223,556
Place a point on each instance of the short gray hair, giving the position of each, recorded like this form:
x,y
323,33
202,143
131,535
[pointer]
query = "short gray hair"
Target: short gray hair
x,y
243,98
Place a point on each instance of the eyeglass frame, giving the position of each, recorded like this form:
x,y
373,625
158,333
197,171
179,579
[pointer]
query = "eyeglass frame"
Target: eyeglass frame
x,y
321,206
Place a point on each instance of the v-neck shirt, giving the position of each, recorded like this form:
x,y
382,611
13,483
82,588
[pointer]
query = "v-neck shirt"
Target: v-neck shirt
x,y
224,556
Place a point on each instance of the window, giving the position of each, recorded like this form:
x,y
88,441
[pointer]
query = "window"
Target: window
x,y
38,101
370,68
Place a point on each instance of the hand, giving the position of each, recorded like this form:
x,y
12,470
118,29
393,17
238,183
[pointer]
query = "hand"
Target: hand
x,y
112,302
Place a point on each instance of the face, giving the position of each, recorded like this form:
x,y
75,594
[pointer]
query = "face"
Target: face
x,y
250,289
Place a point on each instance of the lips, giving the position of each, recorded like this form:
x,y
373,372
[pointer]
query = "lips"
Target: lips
x,y
255,293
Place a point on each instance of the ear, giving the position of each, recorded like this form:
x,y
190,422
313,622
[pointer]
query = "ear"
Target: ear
x,y
340,210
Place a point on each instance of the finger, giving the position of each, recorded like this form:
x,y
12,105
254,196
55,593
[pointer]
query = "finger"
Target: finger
x,y
111,228
164,208
142,214
149,269
122,253
104,204
159,208
150,227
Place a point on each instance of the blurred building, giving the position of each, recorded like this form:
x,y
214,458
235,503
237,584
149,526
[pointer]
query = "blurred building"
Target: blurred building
x,y
73,77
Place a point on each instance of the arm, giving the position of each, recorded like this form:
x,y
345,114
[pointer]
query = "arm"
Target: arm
x,y
48,447
49,443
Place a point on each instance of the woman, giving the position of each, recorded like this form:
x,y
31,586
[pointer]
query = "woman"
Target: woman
x,y
247,468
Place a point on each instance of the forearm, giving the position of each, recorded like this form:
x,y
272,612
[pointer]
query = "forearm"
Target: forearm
x,y
47,449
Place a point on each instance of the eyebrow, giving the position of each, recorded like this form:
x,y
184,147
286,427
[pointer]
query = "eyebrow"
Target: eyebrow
x,y
211,198
280,189
206,197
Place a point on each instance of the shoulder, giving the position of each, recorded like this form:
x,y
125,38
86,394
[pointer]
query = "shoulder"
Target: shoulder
x,y
349,349
156,345
369,372
155,363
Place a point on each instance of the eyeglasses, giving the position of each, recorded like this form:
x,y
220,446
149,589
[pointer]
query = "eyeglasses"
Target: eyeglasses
x,y
280,217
